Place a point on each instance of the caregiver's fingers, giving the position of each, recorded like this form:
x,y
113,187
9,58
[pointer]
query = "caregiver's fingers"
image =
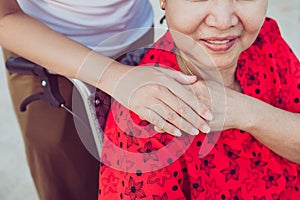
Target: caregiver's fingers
x,y
186,114
160,123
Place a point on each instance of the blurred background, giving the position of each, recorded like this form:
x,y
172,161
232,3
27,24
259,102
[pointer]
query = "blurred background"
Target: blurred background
x,y
15,179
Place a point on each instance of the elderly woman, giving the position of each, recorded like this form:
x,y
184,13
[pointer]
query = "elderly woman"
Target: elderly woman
x,y
248,77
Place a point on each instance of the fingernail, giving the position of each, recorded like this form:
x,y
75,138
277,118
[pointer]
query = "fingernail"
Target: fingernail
x,y
194,131
177,132
206,129
208,116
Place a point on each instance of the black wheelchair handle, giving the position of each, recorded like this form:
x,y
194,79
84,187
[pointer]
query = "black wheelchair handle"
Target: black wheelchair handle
x,y
20,65
49,82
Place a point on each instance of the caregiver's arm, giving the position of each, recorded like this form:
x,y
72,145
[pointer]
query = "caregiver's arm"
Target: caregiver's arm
x,y
146,87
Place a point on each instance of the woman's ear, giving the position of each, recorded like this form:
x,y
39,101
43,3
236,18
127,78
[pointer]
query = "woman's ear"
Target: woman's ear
x,y
162,4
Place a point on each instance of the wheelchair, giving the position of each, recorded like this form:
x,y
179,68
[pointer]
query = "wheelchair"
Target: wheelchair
x,y
94,102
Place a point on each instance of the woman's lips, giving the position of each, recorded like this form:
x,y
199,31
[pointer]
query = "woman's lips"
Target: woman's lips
x,y
219,44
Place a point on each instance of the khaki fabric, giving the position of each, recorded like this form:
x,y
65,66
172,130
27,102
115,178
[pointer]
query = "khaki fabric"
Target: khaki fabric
x,y
60,165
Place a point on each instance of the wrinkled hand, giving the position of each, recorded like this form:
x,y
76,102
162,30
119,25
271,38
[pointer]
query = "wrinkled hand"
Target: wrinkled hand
x,y
162,97
225,104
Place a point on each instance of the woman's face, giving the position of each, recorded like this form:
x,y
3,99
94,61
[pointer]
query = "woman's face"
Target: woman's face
x,y
215,29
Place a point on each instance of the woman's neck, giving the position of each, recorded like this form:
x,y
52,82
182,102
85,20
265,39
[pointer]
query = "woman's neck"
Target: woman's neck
x,y
224,76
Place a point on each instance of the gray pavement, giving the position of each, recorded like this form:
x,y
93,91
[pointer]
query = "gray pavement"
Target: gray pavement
x,y
15,179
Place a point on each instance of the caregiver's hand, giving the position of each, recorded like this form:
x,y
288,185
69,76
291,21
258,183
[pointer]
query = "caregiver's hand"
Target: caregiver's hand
x,y
161,97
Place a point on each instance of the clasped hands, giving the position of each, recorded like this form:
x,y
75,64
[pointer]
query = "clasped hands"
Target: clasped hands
x,y
174,102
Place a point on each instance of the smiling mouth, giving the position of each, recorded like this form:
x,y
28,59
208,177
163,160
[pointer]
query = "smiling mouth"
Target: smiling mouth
x,y
217,41
219,44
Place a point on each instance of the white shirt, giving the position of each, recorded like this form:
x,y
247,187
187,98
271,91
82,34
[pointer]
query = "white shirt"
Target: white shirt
x,y
107,26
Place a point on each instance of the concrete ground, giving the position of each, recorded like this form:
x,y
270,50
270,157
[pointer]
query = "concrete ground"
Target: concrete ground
x,y
15,179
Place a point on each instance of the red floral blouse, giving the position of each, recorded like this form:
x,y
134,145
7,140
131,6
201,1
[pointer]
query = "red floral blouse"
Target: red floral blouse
x,y
138,163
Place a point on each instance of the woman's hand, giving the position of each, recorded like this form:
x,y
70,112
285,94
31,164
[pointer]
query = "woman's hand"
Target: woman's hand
x,y
276,128
162,97
226,104
230,108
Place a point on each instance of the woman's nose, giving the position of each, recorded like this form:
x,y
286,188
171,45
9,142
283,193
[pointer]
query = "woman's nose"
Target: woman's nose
x,y
222,14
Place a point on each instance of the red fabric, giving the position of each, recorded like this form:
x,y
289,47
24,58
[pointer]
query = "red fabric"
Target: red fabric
x,y
138,163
